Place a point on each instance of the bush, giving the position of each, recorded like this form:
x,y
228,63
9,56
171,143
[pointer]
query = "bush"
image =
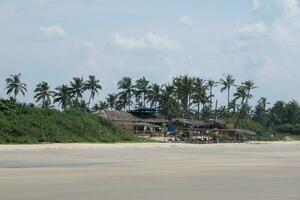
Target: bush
x,y
293,129
27,124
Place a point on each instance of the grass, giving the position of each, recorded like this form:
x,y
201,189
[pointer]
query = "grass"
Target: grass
x,y
23,124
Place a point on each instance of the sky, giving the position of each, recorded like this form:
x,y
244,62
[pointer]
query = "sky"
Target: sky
x,y
55,40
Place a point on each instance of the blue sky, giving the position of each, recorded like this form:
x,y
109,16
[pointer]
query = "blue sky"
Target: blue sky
x,y
55,40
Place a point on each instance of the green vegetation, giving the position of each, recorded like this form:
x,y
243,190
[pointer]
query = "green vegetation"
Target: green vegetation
x,y
184,97
21,123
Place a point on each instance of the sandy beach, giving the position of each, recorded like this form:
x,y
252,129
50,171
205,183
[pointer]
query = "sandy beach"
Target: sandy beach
x,y
266,171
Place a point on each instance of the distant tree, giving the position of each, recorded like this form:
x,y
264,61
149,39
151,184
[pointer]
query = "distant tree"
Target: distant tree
x,y
92,84
14,85
43,94
211,84
142,90
77,88
127,90
199,94
112,100
62,96
154,95
244,94
184,89
227,82
260,111
249,86
277,113
101,105
168,106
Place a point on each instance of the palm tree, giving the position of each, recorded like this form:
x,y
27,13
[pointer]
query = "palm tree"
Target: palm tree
x,y
43,93
227,83
184,88
211,84
154,95
14,85
249,86
244,93
122,101
127,90
93,85
111,100
77,87
62,96
100,106
142,87
168,106
199,94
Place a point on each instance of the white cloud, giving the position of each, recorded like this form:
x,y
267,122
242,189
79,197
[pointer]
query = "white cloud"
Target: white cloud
x,y
256,4
251,30
290,7
186,20
150,41
88,50
53,32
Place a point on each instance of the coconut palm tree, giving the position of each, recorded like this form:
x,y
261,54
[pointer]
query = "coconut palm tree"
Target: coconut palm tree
x,y
142,87
92,84
101,105
62,96
77,88
244,94
249,86
154,95
199,94
127,90
122,101
211,84
111,100
227,82
14,85
43,93
184,88
168,106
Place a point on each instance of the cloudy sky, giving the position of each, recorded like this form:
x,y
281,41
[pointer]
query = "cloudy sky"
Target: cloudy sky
x,y
55,40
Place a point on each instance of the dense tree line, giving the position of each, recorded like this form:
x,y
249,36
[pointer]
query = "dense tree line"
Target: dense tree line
x,y
184,96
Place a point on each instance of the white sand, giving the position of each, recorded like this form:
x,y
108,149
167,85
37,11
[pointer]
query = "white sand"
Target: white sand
x,y
150,171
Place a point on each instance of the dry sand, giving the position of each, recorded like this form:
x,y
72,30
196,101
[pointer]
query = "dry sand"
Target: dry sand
x,y
268,171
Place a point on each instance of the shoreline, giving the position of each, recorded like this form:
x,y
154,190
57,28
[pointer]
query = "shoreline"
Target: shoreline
x,y
88,146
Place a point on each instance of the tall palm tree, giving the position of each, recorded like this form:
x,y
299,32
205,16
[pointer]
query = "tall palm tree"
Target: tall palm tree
x,y
43,93
184,88
62,96
211,84
142,87
227,82
111,100
244,94
249,86
199,94
14,85
92,84
168,106
77,88
127,90
154,95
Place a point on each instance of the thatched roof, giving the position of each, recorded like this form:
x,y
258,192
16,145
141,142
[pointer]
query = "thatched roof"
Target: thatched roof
x,y
118,116
196,123
121,116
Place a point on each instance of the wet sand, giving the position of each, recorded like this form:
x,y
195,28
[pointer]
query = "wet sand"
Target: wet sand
x,y
150,171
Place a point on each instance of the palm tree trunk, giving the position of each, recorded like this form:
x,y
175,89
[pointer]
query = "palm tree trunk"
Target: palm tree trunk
x,y
89,100
228,98
198,110
240,114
